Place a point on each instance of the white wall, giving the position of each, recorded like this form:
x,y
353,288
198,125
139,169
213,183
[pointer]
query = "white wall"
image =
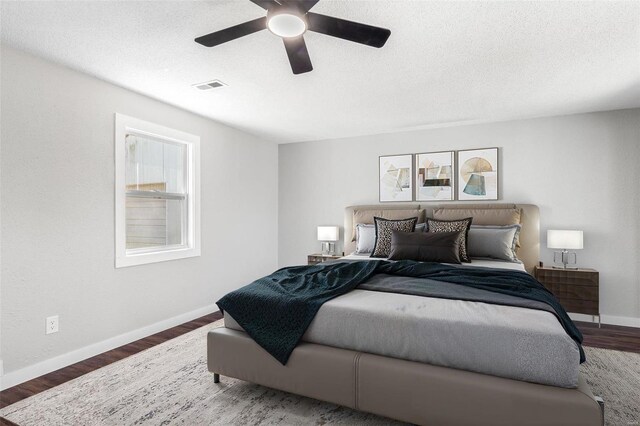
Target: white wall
x,y
582,170
57,177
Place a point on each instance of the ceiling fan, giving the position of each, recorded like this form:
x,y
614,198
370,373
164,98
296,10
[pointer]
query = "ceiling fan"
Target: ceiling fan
x,y
290,19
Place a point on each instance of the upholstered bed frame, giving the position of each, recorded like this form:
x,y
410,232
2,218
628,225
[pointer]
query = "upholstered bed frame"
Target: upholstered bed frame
x,y
528,252
405,390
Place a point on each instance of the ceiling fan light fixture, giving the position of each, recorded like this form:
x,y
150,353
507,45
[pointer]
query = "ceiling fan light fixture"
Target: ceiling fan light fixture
x,y
286,25
289,20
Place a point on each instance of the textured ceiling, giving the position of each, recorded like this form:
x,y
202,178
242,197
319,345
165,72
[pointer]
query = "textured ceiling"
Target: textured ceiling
x,y
445,62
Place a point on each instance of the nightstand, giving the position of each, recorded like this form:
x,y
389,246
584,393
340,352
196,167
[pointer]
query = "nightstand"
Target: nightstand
x,y
578,290
314,259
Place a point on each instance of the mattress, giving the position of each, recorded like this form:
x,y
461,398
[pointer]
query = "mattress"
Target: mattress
x,y
486,263
505,341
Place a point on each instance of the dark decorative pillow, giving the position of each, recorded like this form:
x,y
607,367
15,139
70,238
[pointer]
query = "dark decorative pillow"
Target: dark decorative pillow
x,y
383,233
461,225
426,246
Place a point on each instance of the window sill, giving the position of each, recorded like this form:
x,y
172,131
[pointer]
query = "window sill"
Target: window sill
x,y
155,257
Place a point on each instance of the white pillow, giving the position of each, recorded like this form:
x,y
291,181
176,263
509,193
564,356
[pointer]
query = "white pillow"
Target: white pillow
x,y
365,238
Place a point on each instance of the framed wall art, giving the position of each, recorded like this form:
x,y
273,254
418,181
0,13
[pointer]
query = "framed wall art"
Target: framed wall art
x,y
478,174
435,176
396,178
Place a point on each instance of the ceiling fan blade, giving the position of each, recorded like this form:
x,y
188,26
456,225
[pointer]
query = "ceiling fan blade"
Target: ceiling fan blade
x,y
302,5
348,30
298,54
232,33
265,4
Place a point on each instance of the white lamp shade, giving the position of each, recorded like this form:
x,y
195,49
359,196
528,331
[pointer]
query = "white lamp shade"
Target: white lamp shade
x,y
328,233
562,239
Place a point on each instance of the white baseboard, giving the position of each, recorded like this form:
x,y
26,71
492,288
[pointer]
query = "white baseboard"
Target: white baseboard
x,y
583,318
13,378
625,321
608,319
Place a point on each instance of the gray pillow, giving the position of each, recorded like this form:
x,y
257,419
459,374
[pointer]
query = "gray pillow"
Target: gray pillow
x,y
365,238
425,246
494,242
383,233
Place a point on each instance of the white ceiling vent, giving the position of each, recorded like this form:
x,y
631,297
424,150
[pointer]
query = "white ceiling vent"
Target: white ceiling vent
x,y
209,85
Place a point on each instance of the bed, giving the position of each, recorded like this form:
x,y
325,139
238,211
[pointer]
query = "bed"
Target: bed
x,y
392,363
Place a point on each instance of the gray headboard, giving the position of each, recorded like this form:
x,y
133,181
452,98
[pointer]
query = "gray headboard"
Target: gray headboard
x,y
529,251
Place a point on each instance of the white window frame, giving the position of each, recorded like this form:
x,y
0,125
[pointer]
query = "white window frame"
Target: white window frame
x,y
125,125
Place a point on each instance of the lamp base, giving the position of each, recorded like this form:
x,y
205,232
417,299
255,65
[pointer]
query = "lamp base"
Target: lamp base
x,y
565,256
328,248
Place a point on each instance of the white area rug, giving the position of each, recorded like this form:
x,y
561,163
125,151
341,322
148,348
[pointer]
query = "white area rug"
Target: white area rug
x,y
615,376
170,384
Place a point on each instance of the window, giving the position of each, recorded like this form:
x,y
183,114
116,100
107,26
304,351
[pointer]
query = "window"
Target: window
x,y
157,193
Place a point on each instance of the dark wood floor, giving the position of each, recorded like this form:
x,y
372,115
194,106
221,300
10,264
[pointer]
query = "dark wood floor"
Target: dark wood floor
x,y
610,336
607,337
5,422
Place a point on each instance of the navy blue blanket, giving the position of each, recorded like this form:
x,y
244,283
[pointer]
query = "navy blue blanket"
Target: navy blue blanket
x,y
276,310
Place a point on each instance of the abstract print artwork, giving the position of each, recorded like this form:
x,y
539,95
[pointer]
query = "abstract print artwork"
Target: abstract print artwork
x,y
434,176
396,173
478,174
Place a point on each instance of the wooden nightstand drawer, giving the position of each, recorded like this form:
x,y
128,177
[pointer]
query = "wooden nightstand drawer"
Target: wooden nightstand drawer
x,y
567,276
589,307
574,291
577,290
314,259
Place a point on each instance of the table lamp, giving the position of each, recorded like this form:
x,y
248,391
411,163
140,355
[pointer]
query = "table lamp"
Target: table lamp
x,y
565,241
328,235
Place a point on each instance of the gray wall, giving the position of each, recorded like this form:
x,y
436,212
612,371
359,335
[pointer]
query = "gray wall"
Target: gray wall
x,y
582,170
56,179
58,214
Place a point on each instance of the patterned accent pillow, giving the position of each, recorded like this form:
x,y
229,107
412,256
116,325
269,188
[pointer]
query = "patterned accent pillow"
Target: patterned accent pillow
x,y
435,225
383,233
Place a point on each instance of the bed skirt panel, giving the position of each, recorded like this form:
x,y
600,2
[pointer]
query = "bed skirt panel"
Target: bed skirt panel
x,y
431,395
315,371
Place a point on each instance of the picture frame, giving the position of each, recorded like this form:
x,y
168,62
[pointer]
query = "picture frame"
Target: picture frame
x,y
435,176
478,174
395,178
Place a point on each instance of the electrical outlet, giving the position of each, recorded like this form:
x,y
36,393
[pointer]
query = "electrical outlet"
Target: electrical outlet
x,y
52,324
